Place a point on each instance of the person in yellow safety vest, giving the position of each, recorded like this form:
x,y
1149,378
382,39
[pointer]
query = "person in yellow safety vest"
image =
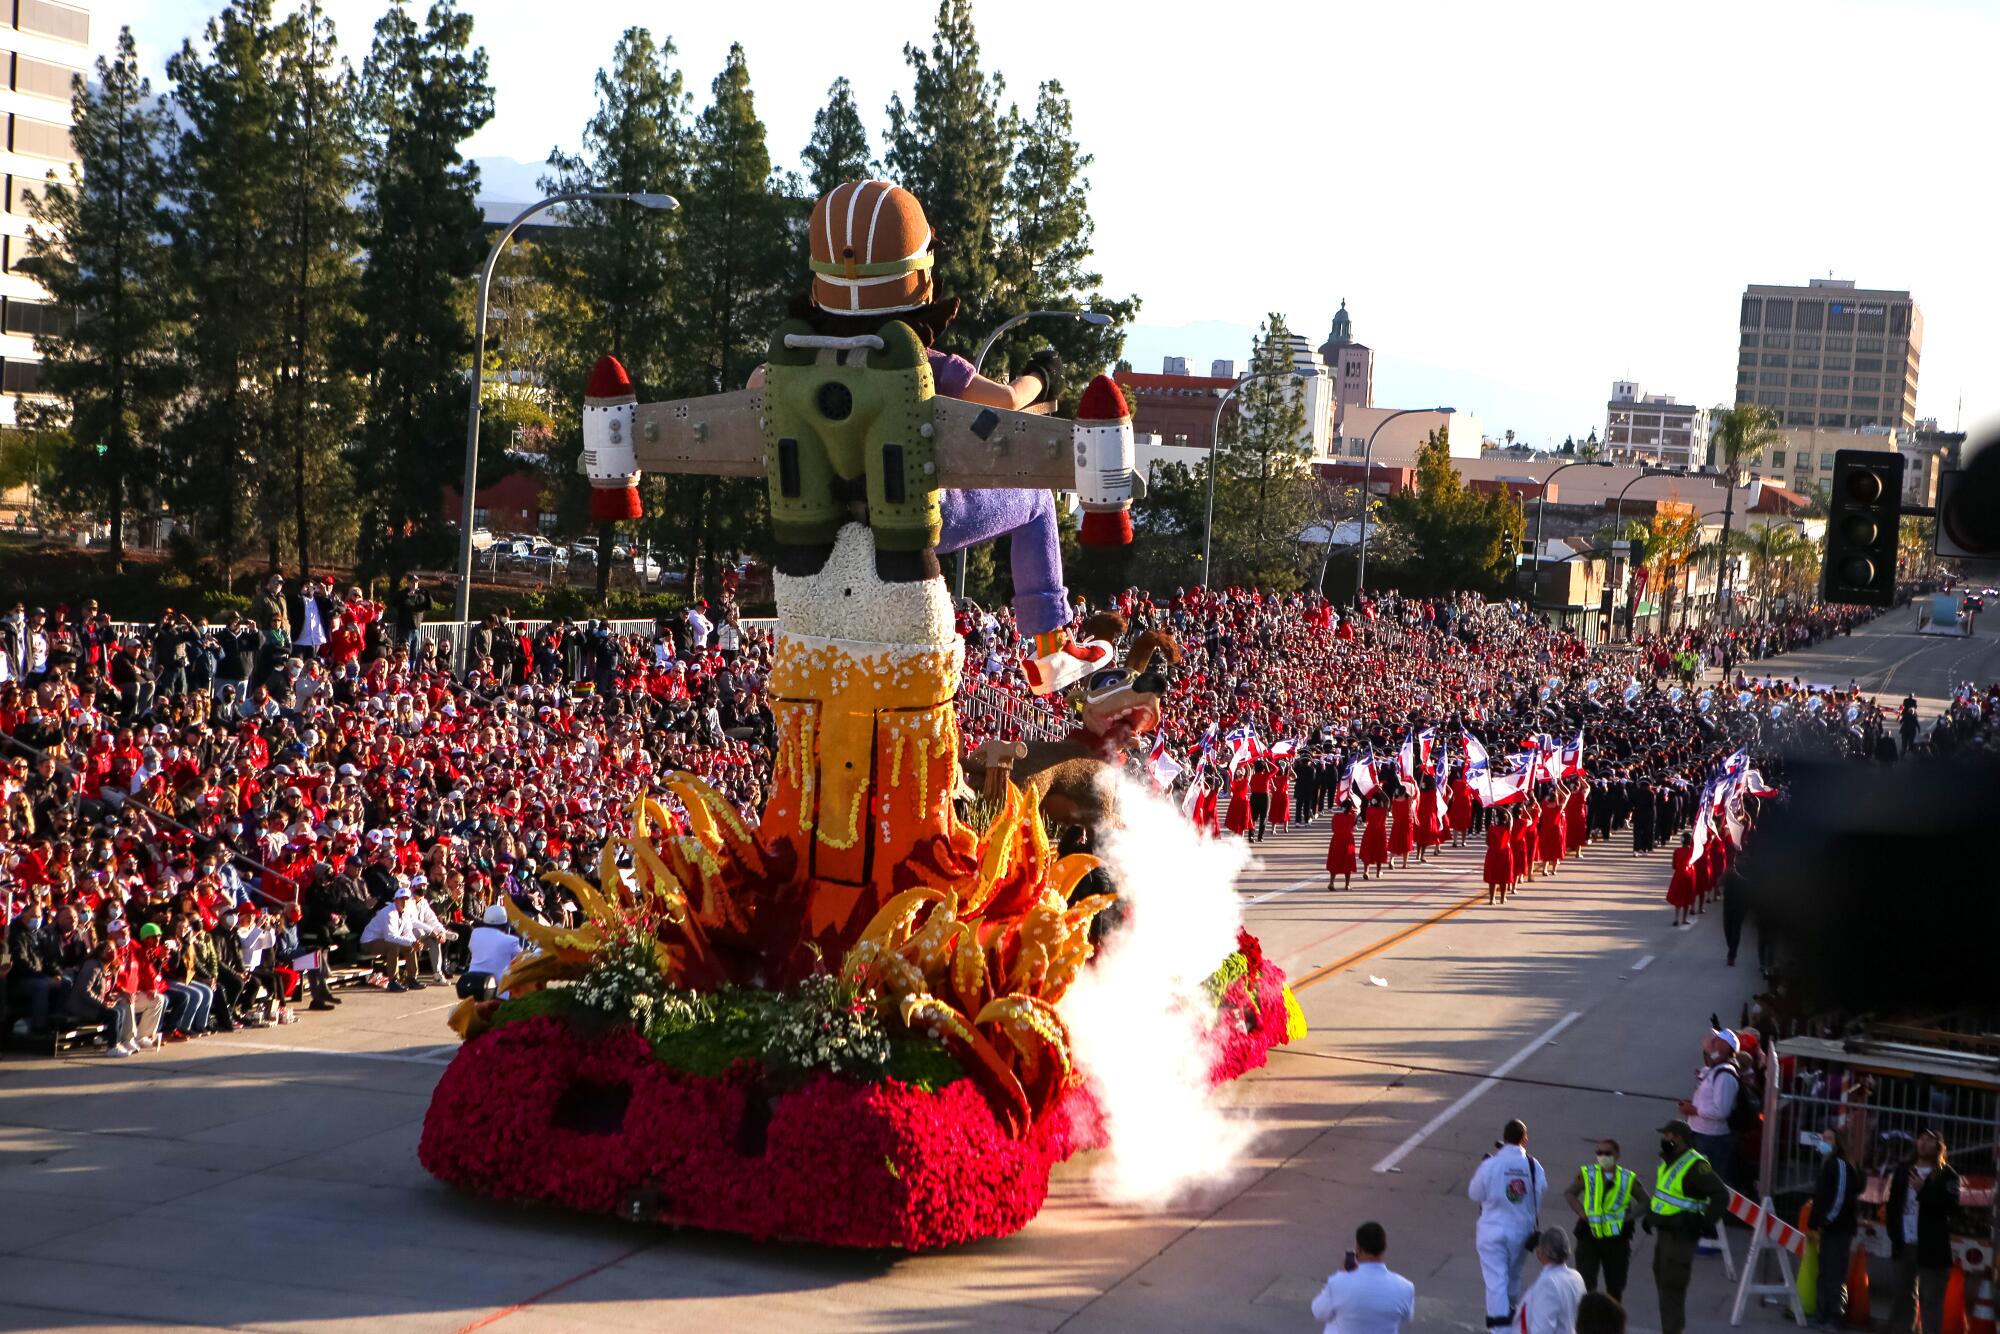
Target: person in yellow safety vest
x,y
1688,1198
1604,1195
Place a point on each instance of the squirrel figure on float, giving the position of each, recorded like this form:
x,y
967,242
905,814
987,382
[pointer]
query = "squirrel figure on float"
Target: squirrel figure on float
x,y
872,252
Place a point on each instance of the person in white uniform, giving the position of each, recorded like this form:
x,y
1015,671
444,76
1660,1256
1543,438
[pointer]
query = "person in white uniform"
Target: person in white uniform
x,y
1508,1187
1366,1297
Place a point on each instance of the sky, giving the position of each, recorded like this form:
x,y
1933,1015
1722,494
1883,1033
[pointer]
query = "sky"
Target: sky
x,y
1520,203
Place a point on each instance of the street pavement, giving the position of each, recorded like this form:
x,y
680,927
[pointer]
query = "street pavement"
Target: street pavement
x,y
1888,659
268,1179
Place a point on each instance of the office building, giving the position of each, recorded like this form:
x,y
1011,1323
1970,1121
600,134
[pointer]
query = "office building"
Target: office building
x,y
1830,355
1927,452
43,45
1804,459
1653,428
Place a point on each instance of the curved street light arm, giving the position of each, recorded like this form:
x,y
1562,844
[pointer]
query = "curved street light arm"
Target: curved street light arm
x,y
462,598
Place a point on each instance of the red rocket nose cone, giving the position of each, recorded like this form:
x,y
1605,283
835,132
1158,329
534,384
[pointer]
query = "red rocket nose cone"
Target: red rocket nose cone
x,y
1102,401
608,379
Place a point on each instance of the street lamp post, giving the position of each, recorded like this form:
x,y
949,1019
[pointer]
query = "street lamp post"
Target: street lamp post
x,y
1694,564
1367,467
1215,451
1542,500
1618,519
979,360
462,602
1087,316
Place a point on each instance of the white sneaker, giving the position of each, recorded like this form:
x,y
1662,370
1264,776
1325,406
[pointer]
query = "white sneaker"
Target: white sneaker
x,y
147,1044
119,1050
1068,664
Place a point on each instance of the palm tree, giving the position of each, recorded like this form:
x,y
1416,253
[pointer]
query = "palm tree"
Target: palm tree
x,y
1777,556
1742,434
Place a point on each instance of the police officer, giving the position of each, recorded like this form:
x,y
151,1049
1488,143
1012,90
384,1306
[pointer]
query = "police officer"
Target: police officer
x,y
1604,1195
1688,1198
1508,1187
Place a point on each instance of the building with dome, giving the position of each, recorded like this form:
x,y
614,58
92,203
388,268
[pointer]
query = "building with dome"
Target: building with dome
x,y
1352,366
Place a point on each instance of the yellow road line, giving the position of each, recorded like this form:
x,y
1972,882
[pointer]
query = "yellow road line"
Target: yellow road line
x,y
1325,971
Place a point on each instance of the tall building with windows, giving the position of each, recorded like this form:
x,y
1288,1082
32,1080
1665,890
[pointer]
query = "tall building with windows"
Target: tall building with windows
x,y
1652,428
43,44
1830,355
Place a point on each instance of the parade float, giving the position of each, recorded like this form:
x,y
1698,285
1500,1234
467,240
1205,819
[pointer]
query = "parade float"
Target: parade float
x,y
845,1024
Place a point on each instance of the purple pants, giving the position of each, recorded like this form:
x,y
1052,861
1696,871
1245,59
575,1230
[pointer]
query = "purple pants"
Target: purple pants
x,y
1041,603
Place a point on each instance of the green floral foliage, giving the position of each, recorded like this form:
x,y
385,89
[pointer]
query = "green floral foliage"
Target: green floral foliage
x,y
788,1034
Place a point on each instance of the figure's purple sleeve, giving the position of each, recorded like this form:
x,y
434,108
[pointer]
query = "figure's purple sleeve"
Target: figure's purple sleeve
x,y
1041,603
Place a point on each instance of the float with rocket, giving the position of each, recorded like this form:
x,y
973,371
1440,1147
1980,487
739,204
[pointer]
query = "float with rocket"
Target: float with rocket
x,y
969,447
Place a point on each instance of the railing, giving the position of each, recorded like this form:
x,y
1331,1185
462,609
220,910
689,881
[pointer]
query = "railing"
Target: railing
x,y
986,709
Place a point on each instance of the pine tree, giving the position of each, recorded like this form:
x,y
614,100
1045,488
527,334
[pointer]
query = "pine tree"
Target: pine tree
x,y
1046,250
838,149
425,91
100,248
226,208
1445,536
315,399
623,262
1264,494
949,146
738,264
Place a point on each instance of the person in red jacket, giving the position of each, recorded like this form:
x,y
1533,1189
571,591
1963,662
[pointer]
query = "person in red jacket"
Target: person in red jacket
x,y
1681,891
1576,812
1522,844
1553,832
1499,866
138,992
1238,818
1340,847
1430,824
1402,836
1281,793
1458,809
1375,835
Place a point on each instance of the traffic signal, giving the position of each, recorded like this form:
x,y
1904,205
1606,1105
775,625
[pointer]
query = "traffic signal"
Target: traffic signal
x,y
1968,525
1864,514
1507,548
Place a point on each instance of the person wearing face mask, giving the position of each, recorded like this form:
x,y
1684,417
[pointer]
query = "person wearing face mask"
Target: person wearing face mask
x,y
1716,1089
1688,1197
1832,1220
35,957
1605,1195
1923,1195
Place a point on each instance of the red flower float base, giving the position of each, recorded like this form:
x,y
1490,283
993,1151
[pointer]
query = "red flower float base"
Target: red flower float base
x,y
539,1111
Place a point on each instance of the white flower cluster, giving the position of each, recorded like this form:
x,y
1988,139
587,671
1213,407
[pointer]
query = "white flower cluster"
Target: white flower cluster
x,y
625,982
825,1025
847,601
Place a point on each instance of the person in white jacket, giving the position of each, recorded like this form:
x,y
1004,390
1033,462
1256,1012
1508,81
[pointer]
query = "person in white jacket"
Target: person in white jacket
x,y
1508,1187
1366,1297
1549,1306
431,932
391,936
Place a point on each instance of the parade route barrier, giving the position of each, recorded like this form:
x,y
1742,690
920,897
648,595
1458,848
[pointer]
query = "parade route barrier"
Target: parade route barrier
x,y
1769,1235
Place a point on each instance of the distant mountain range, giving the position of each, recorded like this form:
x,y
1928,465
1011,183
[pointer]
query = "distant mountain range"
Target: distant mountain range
x,y
509,180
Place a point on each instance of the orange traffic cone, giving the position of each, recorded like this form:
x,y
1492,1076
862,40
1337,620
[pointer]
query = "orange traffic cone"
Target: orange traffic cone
x,y
1954,1303
1981,1321
1858,1314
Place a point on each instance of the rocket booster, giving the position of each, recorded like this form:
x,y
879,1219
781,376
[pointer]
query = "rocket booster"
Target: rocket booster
x,y
609,458
1105,459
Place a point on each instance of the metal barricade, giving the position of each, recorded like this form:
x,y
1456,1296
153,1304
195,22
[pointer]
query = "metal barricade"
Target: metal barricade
x,y
1877,1095
985,709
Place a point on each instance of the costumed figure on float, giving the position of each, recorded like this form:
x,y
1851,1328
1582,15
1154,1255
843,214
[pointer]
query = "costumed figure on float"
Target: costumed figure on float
x,y
844,1024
